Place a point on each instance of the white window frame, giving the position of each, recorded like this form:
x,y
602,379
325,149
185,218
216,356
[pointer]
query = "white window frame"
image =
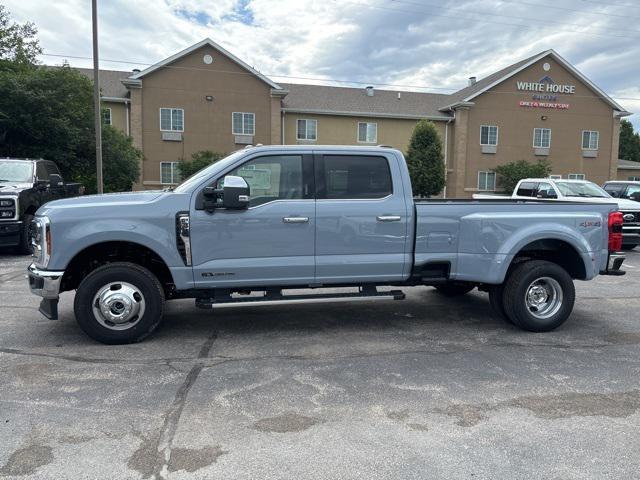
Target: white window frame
x,y
555,177
494,181
243,132
541,137
375,139
171,110
488,135
175,173
104,120
315,129
590,132
576,176
633,179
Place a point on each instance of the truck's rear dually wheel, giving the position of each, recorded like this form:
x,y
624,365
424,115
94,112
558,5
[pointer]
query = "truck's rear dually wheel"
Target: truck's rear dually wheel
x,y
538,296
119,303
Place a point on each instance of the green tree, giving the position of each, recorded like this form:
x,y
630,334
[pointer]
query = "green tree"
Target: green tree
x,y
629,142
511,173
425,161
18,42
47,112
199,160
120,163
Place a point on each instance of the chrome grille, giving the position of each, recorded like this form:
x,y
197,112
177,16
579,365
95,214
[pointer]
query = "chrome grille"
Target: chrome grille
x,y
631,223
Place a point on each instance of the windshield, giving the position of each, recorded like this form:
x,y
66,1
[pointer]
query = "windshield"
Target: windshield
x,y
11,171
198,177
582,189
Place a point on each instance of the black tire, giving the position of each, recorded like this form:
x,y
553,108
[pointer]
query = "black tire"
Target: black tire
x,y
147,286
521,278
496,300
24,247
454,289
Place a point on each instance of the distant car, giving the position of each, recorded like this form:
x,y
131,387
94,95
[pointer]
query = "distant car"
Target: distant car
x,y
579,191
26,185
623,189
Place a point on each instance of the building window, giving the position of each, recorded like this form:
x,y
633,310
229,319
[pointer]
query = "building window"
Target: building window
x,y
488,135
576,176
555,177
367,132
172,119
590,140
486,181
106,116
634,179
169,172
243,123
542,137
307,129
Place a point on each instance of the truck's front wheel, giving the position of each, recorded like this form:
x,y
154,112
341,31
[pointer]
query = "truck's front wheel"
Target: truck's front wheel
x,y
538,296
119,303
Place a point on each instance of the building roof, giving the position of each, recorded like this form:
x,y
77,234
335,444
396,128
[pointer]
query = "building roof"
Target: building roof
x,y
323,99
470,92
628,164
196,46
110,81
355,101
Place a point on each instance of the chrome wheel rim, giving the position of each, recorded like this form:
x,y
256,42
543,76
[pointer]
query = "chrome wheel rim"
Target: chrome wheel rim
x,y
118,305
543,297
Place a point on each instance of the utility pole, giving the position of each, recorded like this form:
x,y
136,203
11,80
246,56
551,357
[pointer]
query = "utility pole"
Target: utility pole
x,y
96,96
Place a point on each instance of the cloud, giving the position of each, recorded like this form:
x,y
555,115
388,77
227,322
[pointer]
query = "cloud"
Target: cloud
x,y
429,43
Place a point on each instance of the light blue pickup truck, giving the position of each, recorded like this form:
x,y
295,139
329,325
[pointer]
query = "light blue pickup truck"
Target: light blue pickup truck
x,y
265,220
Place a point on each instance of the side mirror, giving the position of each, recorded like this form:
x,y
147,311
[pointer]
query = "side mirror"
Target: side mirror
x,y
56,180
42,185
635,196
235,193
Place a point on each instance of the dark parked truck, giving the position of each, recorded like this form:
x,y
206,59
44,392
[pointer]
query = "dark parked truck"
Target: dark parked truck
x,y
266,220
26,185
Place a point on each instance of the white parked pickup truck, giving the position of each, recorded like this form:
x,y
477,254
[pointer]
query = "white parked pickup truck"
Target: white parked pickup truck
x,y
578,191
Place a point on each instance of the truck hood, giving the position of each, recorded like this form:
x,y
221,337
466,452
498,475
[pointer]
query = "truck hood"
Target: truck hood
x,y
106,200
13,187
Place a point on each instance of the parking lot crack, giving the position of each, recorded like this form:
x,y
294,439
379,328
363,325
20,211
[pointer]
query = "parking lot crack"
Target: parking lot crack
x,y
164,440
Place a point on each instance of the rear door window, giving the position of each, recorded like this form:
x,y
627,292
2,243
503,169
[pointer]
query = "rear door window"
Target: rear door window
x,y
353,177
41,171
527,189
546,190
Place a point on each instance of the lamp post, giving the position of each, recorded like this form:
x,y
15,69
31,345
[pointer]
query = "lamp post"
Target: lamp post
x,y
96,96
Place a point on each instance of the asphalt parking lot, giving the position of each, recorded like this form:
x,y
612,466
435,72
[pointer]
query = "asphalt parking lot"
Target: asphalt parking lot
x,y
428,387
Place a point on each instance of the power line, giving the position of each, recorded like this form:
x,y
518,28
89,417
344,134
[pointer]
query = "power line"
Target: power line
x,y
465,10
358,82
519,25
540,5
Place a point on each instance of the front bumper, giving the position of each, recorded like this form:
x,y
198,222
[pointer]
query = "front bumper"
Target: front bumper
x,y
614,262
10,233
46,284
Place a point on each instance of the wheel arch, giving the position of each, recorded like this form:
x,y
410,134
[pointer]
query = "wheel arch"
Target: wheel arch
x,y
556,250
101,253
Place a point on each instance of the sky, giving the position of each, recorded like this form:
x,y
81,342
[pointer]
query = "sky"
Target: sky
x,y
432,44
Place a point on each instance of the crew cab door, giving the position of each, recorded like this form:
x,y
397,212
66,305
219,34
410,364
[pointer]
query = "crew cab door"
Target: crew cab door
x,y
362,217
269,243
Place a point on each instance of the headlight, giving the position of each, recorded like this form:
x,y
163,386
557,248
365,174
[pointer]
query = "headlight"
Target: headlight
x,y
8,208
41,241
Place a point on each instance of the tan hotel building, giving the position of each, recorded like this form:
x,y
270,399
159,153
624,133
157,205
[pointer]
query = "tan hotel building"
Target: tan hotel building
x,y
205,98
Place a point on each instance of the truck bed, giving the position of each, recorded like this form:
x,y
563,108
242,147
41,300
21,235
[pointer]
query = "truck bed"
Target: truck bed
x,y
476,239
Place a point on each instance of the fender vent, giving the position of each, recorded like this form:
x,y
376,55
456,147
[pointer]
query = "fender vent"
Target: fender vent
x,y
183,237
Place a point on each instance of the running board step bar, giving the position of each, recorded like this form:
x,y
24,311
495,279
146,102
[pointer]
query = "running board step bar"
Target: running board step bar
x,y
275,297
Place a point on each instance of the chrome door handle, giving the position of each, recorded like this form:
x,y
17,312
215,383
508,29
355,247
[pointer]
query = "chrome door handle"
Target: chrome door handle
x,y
389,218
295,219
